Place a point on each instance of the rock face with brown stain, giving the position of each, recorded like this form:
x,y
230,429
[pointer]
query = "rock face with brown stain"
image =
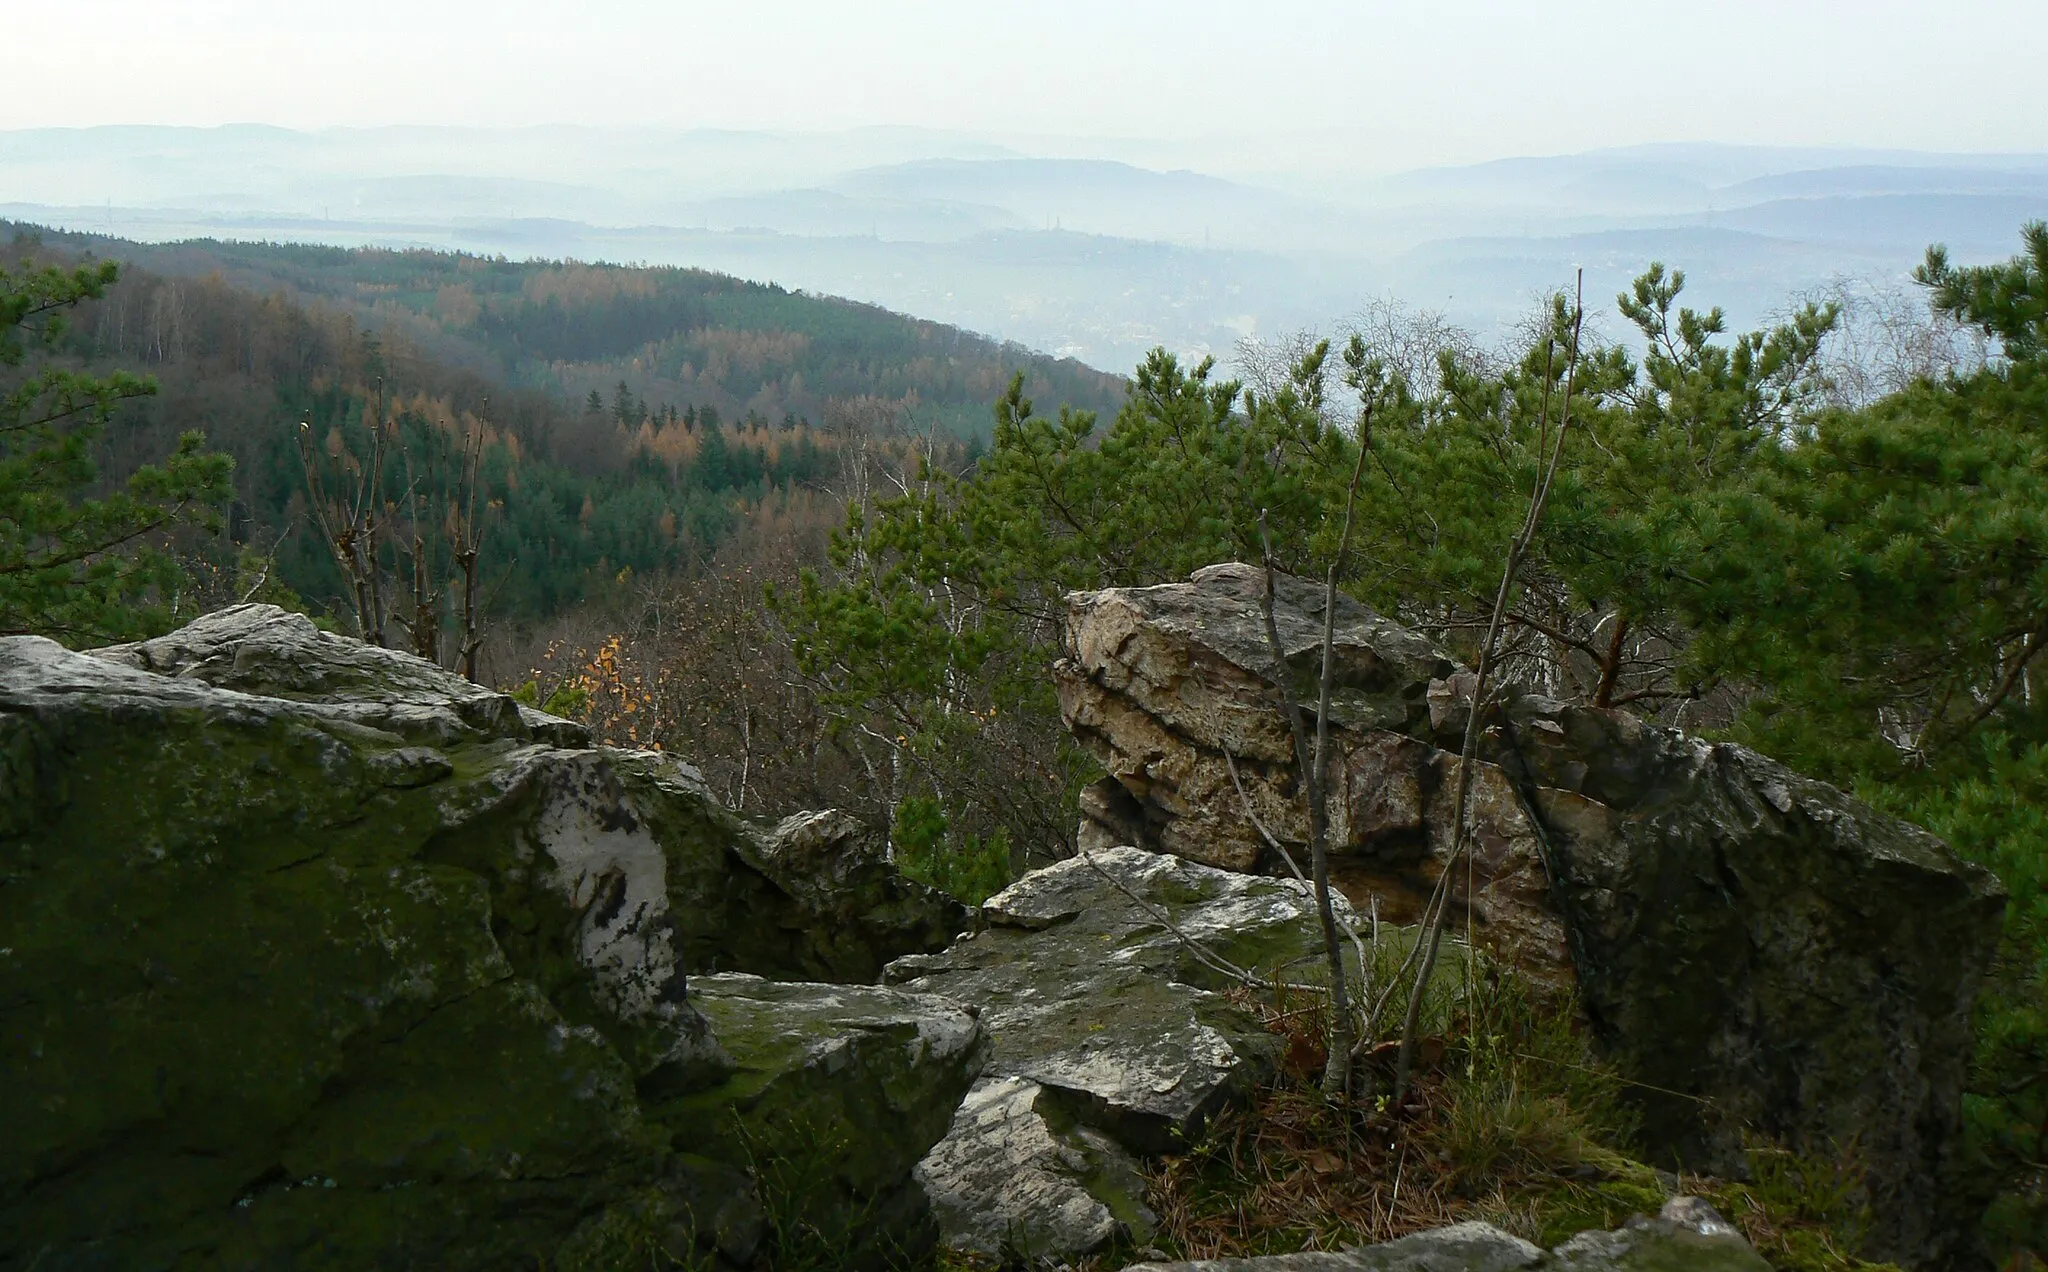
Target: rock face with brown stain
x,y
1768,952
1171,688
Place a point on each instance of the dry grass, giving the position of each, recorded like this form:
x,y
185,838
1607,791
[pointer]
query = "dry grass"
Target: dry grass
x,y
1511,1121
1490,1128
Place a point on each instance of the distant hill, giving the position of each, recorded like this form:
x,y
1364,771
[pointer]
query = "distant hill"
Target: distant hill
x,y
675,337
638,419
1098,249
1978,224
1883,179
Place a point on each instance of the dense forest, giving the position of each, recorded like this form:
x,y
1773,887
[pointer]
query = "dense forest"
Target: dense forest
x,y
675,338
626,420
763,530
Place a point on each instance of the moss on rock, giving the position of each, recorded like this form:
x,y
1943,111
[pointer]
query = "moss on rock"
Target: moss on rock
x,y
349,965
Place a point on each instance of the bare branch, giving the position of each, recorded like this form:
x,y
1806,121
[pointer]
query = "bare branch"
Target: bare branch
x,y
1432,938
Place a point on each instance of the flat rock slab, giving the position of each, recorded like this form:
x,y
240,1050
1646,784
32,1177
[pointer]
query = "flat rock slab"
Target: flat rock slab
x,y
1644,1245
1103,1023
1464,1247
1085,990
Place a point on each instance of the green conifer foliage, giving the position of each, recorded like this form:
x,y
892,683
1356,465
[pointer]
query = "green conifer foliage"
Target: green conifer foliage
x,y
1861,593
76,562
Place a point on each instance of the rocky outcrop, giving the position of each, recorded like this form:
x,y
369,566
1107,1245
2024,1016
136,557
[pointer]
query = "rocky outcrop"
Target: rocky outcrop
x,y
1687,1237
812,898
314,955
1111,1039
1761,952
1018,1174
1171,688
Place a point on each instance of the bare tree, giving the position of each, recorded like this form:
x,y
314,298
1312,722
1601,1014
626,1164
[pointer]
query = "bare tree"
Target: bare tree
x,y
1267,366
348,512
1888,337
1412,342
465,543
1438,907
443,531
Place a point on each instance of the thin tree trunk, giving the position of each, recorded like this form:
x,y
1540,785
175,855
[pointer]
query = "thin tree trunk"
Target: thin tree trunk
x,y
374,495
1610,666
1432,937
1314,767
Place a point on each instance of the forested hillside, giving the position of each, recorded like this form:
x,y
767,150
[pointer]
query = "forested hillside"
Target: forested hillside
x,y
677,339
627,419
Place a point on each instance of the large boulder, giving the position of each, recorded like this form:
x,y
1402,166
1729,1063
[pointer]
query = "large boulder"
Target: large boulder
x,y
812,898
1112,1038
314,955
1760,953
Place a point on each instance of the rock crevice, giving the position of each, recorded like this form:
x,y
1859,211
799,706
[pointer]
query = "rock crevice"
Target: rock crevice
x,y
1759,952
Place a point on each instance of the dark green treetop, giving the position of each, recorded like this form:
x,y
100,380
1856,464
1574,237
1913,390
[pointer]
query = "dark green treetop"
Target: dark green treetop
x,y
77,563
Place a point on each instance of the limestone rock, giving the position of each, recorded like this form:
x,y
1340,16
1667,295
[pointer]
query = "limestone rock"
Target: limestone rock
x,y
1016,1176
1688,1233
1782,957
1102,1024
1171,689
1464,1247
854,911
312,955
812,898
1697,1215
268,652
836,1092
1644,1245
1084,991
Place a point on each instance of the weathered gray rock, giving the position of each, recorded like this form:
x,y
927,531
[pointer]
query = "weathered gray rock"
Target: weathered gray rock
x,y
342,962
1464,1247
1775,953
1697,1215
836,1092
1017,1175
813,898
853,911
1110,1039
1644,1245
270,653
1687,1234
1086,992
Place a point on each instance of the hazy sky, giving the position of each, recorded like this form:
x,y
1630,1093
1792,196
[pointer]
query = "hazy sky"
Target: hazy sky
x,y
1423,80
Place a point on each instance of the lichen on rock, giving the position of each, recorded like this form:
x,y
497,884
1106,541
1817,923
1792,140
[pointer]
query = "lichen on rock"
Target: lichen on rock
x,y
314,955
1111,1039
1686,1237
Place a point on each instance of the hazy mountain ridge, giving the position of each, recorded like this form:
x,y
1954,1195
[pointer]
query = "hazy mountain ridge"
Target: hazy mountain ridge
x,y
1090,249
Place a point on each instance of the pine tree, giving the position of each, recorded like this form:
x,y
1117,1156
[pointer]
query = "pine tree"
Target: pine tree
x,y
77,565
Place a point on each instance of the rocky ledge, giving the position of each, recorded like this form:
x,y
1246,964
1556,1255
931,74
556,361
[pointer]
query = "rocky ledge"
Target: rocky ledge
x,y
1111,1040
1760,953
314,955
